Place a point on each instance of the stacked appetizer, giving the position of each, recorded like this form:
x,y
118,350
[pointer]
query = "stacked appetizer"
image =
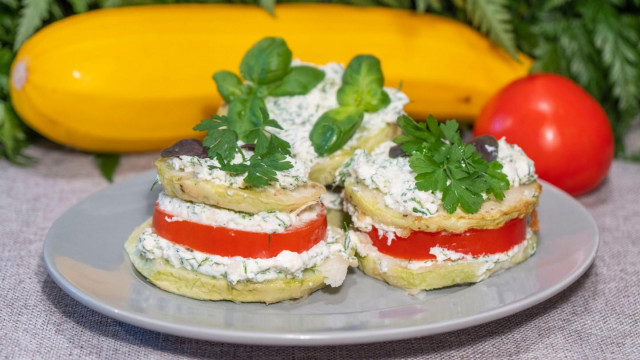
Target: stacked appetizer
x,y
239,218
431,211
217,236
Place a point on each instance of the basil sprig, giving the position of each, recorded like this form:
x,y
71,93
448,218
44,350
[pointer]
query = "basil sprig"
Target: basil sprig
x,y
267,69
361,91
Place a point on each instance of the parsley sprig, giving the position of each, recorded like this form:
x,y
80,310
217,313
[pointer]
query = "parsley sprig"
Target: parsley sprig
x,y
269,151
444,163
361,91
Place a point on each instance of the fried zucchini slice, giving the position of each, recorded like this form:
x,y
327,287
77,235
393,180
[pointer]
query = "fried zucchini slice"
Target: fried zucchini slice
x,y
518,202
442,274
185,186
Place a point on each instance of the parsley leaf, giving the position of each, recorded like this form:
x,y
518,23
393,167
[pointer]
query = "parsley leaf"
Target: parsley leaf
x,y
266,141
221,139
442,162
269,153
262,169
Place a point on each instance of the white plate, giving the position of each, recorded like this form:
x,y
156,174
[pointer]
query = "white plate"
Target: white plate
x,y
84,254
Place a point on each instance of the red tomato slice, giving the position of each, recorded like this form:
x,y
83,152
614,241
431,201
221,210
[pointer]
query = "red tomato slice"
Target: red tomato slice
x,y
474,242
222,241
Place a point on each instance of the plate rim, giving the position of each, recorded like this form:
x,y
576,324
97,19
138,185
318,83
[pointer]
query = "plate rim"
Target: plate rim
x,y
320,338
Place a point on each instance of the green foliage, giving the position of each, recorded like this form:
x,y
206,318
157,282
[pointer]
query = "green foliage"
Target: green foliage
x,y
13,136
361,91
442,162
33,14
493,18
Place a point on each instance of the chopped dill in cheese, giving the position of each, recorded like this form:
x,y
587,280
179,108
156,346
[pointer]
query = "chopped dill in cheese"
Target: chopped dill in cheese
x,y
266,221
298,114
234,269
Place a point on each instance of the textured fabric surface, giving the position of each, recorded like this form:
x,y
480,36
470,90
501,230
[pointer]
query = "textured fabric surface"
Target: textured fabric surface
x,y
597,317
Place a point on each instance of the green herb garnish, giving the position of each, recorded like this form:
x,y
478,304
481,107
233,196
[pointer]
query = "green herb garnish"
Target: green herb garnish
x,y
267,69
362,90
269,150
444,163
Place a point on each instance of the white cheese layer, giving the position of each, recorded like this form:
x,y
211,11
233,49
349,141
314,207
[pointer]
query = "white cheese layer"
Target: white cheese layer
x,y
515,164
234,269
364,247
266,221
395,179
208,169
298,114
332,200
365,223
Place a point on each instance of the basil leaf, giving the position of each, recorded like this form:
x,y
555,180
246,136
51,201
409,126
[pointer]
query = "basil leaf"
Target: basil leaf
x,y
299,81
334,128
362,85
267,61
229,85
369,100
363,71
245,114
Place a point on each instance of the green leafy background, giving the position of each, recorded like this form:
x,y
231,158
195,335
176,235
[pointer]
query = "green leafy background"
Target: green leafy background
x,y
594,42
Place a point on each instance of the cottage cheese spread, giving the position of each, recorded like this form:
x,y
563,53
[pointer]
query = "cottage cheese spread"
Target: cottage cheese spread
x,y
298,114
363,246
208,169
234,269
515,164
266,221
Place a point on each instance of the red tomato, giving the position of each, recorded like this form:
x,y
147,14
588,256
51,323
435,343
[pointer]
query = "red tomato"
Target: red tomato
x,y
473,242
223,241
560,127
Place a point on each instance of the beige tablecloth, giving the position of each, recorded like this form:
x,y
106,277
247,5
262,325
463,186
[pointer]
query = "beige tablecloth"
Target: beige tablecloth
x,y
597,317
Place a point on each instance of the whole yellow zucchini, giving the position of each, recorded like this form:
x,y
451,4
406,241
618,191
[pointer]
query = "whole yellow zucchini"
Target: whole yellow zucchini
x,y
139,78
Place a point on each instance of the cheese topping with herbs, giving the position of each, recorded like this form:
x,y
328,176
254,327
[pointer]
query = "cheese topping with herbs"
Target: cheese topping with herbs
x,y
298,114
396,180
208,169
234,269
266,221
515,164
